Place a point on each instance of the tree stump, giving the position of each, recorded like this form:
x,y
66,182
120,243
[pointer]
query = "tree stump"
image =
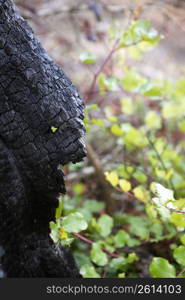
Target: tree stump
x,y
41,127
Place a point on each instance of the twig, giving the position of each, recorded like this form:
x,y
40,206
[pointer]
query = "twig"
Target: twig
x,y
106,190
93,157
107,59
130,195
82,238
160,160
175,211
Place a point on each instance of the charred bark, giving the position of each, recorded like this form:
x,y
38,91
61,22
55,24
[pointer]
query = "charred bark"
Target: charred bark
x,y
35,96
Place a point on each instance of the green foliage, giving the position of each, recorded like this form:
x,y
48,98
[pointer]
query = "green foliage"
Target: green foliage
x,y
88,271
63,227
139,31
152,120
98,256
141,124
161,268
179,255
121,238
105,223
87,58
74,222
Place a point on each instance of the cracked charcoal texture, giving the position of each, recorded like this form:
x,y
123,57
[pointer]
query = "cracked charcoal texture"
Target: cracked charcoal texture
x,y
35,95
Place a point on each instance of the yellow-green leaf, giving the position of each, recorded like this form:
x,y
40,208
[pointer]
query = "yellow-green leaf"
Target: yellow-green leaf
x,y
112,177
127,106
125,185
178,220
116,130
63,233
140,193
54,129
153,120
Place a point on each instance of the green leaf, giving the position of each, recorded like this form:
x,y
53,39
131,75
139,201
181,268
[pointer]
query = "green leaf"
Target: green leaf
x,y
109,113
140,176
121,238
139,227
125,185
127,106
153,90
107,83
135,137
54,231
59,209
151,211
125,171
179,255
132,257
156,230
118,264
121,275
182,239
98,256
66,242
144,31
81,259
153,120
112,177
91,107
180,88
74,222
132,81
141,193
94,206
181,126
139,31
54,129
98,122
88,271
173,110
79,188
116,130
89,207
163,195
161,268
53,225
105,223
133,242
87,58
180,204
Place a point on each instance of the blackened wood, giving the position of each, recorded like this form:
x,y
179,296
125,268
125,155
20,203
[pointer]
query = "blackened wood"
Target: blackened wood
x,y
41,127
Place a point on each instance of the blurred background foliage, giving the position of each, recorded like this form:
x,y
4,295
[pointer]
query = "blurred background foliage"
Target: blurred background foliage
x,y
124,214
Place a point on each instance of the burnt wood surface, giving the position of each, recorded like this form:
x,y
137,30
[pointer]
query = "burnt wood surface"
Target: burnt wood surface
x,y
35,97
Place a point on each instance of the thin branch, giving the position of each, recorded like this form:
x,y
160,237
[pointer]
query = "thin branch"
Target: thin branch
x,y
175,211
115,47
82,238
106,190
89,242
160,160
130,195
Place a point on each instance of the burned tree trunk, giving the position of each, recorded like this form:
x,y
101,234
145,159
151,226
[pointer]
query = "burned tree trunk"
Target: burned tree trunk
x,y
35,96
